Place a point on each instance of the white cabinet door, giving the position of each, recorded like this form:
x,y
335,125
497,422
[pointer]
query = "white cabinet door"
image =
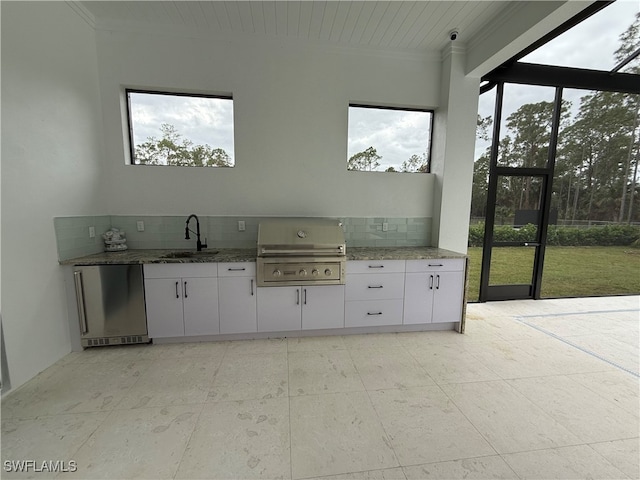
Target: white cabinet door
x,y
163,298
279,309
448,296
322,307
433,297
418,298
200,300
237,299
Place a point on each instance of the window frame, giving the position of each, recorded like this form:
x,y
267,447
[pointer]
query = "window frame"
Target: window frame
x,y
431,111
128,91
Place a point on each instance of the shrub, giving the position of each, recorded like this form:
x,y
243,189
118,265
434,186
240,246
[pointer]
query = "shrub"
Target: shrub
x,y
607,235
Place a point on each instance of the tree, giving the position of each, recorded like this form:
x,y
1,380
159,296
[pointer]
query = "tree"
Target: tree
x,y
173,149
416,163
366,161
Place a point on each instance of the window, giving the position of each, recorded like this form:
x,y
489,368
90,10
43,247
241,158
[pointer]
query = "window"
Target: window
x,y
180,129
385,139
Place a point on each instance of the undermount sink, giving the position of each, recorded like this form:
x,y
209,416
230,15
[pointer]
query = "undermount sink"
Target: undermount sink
x,y
189,254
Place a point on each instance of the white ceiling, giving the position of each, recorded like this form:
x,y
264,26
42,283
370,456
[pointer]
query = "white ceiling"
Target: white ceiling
x,y
398,25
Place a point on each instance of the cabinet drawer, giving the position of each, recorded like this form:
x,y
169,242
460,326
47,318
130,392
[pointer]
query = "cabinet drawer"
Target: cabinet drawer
x,y
237,269
375,287
436,264
375,266
373,313
179,270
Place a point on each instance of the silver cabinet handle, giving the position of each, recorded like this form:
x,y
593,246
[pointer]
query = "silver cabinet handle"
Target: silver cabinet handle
x,y
376,266
375,286
297,296
305,296
252,287
177,293
437,282
82,317
374,313
236,269
430,282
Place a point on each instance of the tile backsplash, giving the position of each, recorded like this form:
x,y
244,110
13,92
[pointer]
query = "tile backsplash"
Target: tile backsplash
x,y
72,233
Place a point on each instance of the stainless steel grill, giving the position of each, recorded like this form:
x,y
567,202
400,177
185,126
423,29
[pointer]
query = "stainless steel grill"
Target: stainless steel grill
x,y
301,251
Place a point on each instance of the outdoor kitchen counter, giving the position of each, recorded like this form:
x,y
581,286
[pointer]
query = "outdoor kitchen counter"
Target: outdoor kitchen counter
x,y
212,255
400,253
249,255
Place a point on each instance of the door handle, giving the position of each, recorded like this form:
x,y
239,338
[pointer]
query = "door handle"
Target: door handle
x,y
82,317
305,296
252,287
297,296
185,290
177,293
437,282
430,282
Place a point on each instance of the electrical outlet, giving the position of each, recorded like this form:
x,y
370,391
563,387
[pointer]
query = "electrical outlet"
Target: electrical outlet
x,y
385,227
241,226
140,225
92,232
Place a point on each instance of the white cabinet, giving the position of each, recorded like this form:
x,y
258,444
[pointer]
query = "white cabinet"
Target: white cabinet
x,y
237,297
434,291
374,294
181,300
303,307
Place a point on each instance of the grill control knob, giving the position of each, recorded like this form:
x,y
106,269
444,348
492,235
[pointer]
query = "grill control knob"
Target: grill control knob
x,y
327,272
315,272
277,273
302,273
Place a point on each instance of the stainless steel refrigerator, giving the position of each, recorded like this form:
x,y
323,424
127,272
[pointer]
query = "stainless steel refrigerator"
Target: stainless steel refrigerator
x,y
111,309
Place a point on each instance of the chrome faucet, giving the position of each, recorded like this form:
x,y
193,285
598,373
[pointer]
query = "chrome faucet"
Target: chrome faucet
x,y
199,244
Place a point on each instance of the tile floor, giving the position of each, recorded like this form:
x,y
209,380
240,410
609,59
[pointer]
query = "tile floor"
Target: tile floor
x,y
545,389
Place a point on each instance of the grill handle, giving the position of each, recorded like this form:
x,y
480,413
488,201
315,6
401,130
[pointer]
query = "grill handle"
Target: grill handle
x,y
302,252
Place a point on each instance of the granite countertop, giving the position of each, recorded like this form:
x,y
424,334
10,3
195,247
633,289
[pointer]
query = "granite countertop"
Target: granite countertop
x,y
400,253
160,256
249,255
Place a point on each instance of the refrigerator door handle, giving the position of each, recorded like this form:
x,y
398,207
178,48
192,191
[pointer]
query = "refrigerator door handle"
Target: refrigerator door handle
x,y
82,317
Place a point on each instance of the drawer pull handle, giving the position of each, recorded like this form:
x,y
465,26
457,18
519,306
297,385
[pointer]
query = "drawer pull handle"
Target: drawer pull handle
x,y
374,313
375,286
236,269
436,265
376,266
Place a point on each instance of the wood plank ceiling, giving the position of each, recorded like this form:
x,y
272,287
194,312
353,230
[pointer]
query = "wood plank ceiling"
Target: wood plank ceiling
x,y
397,25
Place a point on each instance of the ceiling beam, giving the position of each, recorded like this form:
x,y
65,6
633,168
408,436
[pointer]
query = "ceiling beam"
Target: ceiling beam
x,y
566,77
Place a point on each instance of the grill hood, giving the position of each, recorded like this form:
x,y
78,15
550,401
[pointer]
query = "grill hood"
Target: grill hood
x,y
301,237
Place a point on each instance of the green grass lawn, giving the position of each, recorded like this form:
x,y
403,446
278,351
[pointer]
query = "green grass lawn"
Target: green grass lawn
x,y
568,271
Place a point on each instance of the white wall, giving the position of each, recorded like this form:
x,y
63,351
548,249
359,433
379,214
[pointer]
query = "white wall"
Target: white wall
x,y
290,107
50,166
